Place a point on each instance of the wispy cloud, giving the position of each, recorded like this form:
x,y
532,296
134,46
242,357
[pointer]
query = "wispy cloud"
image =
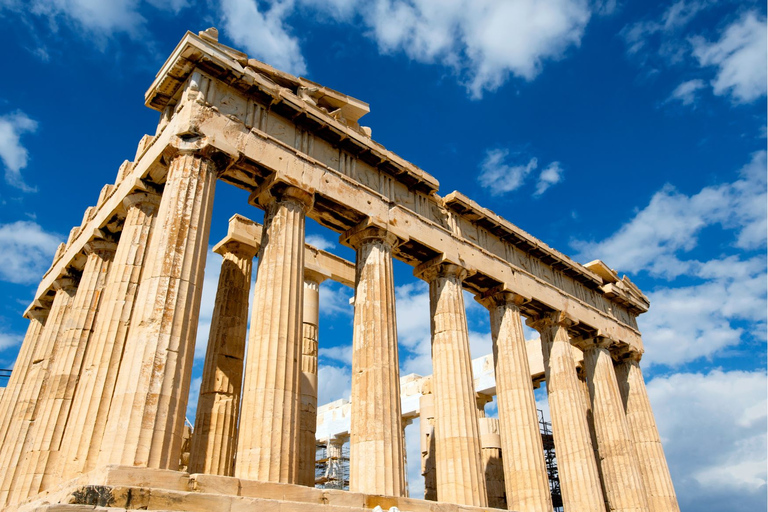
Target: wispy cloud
x,y
261,29
26,250
686,92
14,155
501,173
740,57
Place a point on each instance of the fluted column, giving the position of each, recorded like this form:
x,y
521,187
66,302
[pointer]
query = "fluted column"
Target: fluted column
x,y
37,318
58,390
26,407
642,427
146,420
213,445
525,469
427,427
621,476
91,404
268,435
493,466
579,479
308,421
376,443
460,476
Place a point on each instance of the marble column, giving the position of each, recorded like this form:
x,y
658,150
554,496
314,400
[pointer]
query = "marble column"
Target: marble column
x,y
91,404
24,411
579,478
213,445
146,419
491,453
59,388
308,421
618,462
427,427
376,442
642,427
37,318
525,469
268,435
460,476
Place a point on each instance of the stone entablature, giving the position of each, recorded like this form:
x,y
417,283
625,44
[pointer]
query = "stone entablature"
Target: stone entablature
x,y
240,110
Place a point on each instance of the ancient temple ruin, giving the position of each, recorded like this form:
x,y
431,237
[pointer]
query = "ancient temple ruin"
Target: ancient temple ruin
x,y
93,413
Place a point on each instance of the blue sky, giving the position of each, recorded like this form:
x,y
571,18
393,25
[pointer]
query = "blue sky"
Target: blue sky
x,y
633,132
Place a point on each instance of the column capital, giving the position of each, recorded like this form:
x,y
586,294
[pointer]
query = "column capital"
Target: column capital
x,y
366,231
100,247
193,144
274,190
441,267
547,320
500,296
139,198
315,276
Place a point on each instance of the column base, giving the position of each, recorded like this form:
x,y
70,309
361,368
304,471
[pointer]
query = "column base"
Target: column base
x,y
120,488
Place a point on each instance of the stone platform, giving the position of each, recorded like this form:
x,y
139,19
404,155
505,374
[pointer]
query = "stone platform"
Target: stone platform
x,y
118,488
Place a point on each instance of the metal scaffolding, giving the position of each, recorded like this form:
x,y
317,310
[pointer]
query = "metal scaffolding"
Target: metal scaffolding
x,y
545,427
332,467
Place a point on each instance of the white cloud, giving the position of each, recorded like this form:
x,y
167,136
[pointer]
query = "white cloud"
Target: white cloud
x,y
320,242
484,40
15,156
672,222
339,353
263,33
551,175
686,91
713,427
334,300
333,383
413,331
499,177
94,16
701,320
740,57
25,251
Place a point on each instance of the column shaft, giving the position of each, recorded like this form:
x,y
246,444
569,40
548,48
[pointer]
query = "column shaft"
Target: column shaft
x,y
91,404
579,478
215,434
25,409
460,475
37,319
491,453
619,468
376,442
525,469
146,418
308,422
59,388
645,436
427,427
268,436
